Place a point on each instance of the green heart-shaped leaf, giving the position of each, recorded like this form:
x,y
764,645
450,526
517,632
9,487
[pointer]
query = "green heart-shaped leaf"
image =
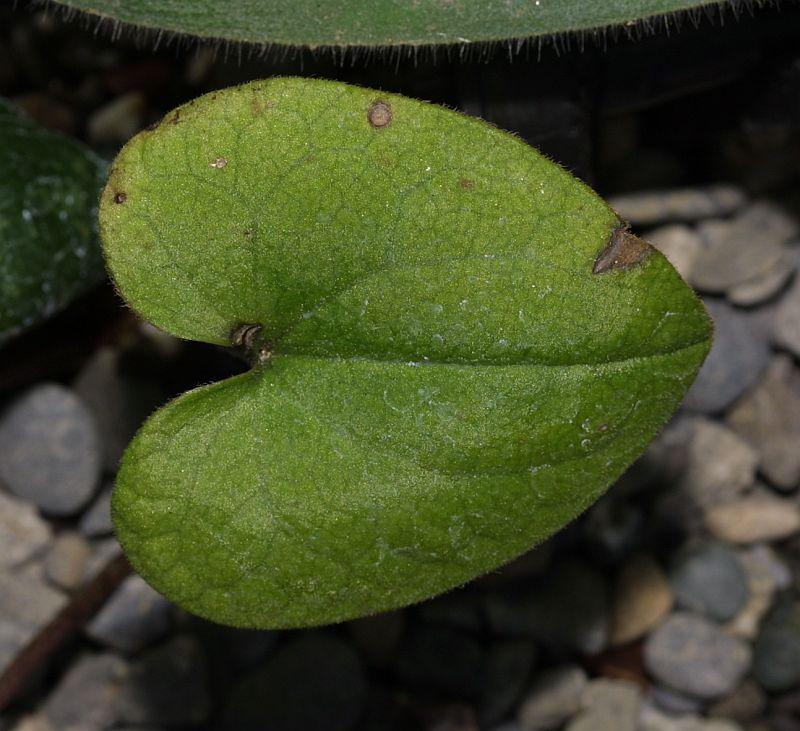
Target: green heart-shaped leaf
x,y
458,347
49,252
379,22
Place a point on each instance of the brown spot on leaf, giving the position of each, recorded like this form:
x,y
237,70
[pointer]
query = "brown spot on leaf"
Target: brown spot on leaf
x,y
176,117
466,183
120,197
219,163
245,335
624,250
380,115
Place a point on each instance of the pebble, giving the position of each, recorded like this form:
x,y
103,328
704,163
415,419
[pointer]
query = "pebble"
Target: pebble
x,y
556,695
642,599
23,533
96,521
766,285
747,703
168,685
49,450
86,695
27,603
721,464
568,609
765,574
608,705
119,404
680,244
739,354
652,719
675,702
786,331
754,518
67,560
768,416
33,722
118,120
444,658
745,249
710,580
695,656
133,617
314,682
508,667
776,657
678,205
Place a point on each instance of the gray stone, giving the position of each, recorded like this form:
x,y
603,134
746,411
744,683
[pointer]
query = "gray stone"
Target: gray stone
x,y
96,521
765,573
721,464
786,332
654,720
119,404
556,695
86,696
738,356
67,560
570,609
710,580
678,205
49,450
508,667
168,686
776,658
766,285
103,551
695,656
314,682
768,416
642,599
747,703
27,604
23,534
680,244
134,616
748,248
675,702
754,518
608,705
444,658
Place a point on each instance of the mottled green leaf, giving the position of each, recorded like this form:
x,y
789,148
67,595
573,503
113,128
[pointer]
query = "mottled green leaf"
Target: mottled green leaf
x,y
379,22
460,349
49,252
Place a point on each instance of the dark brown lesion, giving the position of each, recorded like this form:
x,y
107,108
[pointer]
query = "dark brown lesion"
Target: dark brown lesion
x,y
380,114
249,342
624,251
245,335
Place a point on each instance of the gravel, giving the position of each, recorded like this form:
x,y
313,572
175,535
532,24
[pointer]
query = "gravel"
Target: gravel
x,y
695,656
50,450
